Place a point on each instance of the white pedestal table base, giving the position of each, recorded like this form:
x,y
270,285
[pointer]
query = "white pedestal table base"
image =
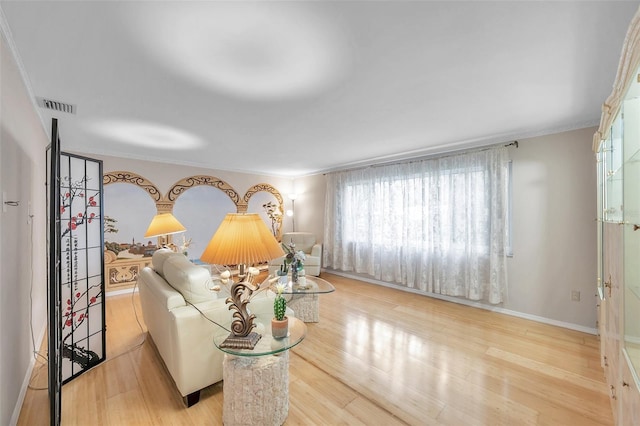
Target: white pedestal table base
x,y
306,307
256,389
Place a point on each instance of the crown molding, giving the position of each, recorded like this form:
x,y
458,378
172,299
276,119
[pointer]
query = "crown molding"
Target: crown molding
x,y
5,30
627,67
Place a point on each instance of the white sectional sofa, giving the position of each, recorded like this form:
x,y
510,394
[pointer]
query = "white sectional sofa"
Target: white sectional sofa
x,y
181,334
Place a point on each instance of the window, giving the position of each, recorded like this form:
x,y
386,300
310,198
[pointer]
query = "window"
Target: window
x,y
423,224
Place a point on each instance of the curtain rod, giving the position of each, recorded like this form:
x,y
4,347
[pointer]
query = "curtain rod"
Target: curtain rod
x,y
426,157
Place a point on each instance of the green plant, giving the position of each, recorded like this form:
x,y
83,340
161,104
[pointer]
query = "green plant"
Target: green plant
x,y
279,303
114,247
292,257
284,269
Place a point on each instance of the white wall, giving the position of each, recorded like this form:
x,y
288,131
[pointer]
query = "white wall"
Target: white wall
x,y
554,228
310,205
23,257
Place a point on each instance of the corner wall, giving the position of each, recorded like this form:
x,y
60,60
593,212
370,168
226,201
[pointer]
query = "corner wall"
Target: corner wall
x,y
310,205
554,228
23,298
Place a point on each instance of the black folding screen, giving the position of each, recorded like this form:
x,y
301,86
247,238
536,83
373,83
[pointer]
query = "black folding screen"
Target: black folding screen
x,y
54,344
81,264
76,320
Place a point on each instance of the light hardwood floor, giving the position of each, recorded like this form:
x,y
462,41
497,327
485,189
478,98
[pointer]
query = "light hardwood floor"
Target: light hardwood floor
x,y
378,356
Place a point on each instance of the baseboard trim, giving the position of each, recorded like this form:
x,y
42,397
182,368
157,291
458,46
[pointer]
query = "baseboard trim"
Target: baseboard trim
x,y
499,309
123,291
27,378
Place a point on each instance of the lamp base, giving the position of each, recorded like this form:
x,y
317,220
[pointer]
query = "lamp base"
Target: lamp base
x,y
241,342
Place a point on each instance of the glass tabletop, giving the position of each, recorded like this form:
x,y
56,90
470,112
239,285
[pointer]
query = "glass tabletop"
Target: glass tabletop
x,y
267,345
309,285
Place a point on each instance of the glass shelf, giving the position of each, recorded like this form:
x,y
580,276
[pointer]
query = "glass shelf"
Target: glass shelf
x,y
635,158
309,285
613,173
635,290
615,176
267,345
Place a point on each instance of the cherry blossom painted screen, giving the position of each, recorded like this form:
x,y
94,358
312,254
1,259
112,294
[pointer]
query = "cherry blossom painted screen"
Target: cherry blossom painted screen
x,y
82,281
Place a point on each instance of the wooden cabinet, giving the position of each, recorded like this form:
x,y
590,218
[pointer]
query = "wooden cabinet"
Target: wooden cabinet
x,y
629,396
617,144
610,304
121,274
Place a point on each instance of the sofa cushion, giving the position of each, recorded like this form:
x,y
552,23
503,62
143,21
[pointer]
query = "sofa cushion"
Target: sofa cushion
x,y
192,281
158,259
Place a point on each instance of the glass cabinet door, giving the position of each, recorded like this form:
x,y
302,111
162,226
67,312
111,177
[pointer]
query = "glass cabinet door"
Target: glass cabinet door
x,y
600,169
613,173
631,295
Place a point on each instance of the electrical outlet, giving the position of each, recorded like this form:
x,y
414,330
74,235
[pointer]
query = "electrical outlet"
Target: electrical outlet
x,y
575,295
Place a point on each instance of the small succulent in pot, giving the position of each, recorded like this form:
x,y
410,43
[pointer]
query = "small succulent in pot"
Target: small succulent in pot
x,y
279,303
280,322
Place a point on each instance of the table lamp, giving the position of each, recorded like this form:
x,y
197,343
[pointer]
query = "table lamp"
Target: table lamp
x,y
162,225
242,239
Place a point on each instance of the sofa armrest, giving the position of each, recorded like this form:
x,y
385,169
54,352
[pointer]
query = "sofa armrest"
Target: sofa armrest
x,y
154,286
196,362
316,250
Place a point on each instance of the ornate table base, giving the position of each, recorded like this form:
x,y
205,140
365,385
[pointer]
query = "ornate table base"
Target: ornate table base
x,y
306,307
256,389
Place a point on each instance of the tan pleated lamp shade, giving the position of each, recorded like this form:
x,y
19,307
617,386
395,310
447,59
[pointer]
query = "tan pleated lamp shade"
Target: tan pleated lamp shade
x,y
242,239
164,224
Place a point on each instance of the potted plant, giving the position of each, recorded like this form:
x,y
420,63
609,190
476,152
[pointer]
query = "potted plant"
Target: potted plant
x,y
295,260
282,274
279,322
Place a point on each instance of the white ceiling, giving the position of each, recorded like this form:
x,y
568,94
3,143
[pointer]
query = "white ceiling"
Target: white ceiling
x,y
293,88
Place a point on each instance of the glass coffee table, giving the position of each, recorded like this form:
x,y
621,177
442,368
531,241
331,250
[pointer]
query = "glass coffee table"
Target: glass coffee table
x,y
267,345
304,296
256,381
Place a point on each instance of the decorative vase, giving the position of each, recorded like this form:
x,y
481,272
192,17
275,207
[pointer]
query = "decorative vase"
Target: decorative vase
x,y
294,273
283,279
280,328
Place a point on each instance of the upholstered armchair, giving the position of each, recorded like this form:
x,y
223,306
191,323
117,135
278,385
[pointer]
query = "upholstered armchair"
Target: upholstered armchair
x,y
306,242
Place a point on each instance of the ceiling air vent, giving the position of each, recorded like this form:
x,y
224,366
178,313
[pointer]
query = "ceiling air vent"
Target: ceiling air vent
x,y
56,105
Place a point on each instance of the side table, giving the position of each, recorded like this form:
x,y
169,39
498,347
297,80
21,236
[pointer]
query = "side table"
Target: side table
x,y
255,389
304,297
256,381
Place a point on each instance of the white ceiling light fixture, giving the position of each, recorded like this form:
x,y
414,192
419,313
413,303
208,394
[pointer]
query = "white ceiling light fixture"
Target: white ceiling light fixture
x,y
250,50
152,135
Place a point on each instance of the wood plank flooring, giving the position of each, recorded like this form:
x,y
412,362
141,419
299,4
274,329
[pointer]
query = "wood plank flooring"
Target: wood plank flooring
x,y
378,356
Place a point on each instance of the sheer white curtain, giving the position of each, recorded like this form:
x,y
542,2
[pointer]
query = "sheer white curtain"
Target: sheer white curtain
x,y
436,225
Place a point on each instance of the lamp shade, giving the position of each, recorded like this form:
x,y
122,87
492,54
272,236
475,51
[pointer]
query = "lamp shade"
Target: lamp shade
x,y
164,224
242,239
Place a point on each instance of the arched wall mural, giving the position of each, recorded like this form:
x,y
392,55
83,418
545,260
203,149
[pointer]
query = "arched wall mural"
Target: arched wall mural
x,y
202,202
199,202
271,211
134,179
